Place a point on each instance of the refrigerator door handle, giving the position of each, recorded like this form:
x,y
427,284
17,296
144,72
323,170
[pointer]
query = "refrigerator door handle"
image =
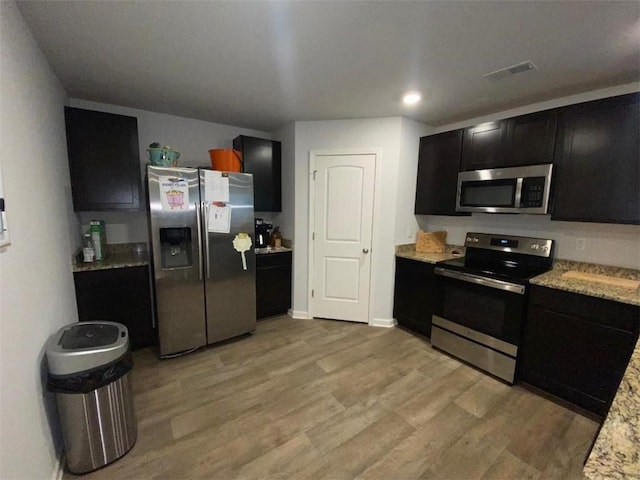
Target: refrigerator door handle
x,y
199,224
206,237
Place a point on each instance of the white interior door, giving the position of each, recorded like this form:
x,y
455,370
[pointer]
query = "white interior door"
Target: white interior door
x,y
341,237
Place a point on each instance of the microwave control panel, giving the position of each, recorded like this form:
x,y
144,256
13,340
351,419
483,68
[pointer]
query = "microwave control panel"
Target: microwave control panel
x,y
532,194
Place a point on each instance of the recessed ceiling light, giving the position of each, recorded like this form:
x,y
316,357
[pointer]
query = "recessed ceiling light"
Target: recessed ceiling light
x,y
411,98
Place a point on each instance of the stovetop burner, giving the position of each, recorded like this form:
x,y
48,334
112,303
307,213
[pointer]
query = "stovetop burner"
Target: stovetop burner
x,y
504,257
502,271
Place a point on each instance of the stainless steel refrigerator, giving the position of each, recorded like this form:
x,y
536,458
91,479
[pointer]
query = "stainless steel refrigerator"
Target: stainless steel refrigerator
x,y
201,228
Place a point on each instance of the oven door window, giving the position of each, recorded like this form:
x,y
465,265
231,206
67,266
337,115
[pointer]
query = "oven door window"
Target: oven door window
x,y
487,310
489,193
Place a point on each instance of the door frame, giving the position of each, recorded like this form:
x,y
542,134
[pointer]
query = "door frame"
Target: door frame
x,y
313,154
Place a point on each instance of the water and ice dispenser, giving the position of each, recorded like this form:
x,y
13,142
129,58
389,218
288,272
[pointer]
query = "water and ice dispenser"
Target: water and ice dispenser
x,y
175,247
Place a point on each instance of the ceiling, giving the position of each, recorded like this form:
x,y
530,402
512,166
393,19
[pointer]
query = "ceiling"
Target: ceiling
x,y
264,64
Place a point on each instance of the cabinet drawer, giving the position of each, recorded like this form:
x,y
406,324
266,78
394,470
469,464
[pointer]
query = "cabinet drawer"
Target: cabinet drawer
x,y
605,312
114,277
267,260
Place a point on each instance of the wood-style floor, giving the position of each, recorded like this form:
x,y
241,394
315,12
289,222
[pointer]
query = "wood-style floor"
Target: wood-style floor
x,y
325,399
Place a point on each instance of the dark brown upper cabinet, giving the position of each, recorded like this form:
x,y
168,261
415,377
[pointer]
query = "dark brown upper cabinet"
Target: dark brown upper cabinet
x,y
263,158
483,146
104,160
597,162
530,139
438,165
514,142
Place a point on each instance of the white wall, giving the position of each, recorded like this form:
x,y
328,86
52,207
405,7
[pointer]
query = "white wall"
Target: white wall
x,y
385,135
607,244
36,283
287,135
406,223
192,138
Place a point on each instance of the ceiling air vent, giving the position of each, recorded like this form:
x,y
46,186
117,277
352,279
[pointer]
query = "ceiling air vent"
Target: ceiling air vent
x,y
512,70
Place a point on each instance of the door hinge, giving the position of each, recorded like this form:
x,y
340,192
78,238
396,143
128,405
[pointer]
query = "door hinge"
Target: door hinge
x,y
312,292
313,235
314,174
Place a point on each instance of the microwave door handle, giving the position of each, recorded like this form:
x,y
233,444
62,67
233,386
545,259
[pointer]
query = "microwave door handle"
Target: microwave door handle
x,y
516,201
478,280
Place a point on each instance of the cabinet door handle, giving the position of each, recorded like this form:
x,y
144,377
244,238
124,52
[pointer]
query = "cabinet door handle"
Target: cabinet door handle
x,y
365,250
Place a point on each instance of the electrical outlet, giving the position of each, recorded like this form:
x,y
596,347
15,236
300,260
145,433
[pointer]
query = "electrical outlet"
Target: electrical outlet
x,y
581,244
411,232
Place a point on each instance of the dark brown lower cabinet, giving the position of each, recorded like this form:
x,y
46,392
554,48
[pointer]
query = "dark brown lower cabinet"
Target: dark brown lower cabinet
x,y
414,294
120,295
577,347
273,283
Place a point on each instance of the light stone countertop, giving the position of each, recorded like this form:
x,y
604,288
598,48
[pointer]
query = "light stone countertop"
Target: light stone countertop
x,y
119,255
123,255
409,251
268,250
554,279
616,452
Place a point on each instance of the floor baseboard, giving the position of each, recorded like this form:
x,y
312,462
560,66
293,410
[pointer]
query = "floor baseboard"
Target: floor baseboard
x,y
58,469
383,322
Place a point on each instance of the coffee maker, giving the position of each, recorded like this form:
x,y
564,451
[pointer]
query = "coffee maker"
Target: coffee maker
x,y
263,233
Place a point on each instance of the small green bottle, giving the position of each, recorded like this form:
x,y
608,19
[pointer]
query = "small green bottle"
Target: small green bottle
x,y
96,227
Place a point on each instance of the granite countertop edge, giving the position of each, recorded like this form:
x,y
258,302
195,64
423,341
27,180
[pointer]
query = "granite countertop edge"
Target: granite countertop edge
x,y
553,279
616,451
409,251
125,255
119,255
270,250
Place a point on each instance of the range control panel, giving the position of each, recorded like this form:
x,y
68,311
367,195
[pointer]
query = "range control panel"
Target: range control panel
x,y
508,243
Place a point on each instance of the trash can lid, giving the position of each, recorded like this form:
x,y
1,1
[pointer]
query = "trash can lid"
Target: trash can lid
x,y
83,346
89,335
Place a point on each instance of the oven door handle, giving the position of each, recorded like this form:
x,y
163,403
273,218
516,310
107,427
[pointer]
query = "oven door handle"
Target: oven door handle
x,y
478,280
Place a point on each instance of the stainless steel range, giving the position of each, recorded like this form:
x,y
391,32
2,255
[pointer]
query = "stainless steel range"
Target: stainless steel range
x,y
483,302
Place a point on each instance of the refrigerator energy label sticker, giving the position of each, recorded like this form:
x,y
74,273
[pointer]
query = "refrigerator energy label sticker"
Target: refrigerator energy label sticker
x,y
174,193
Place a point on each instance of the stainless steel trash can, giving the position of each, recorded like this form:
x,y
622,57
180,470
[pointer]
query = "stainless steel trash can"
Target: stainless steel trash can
x,y
90,372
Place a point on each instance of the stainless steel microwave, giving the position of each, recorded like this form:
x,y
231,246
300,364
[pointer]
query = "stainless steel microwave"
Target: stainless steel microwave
x,y
505,190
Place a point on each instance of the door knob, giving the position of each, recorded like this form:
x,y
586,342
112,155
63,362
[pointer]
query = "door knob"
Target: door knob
x,y
365,250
